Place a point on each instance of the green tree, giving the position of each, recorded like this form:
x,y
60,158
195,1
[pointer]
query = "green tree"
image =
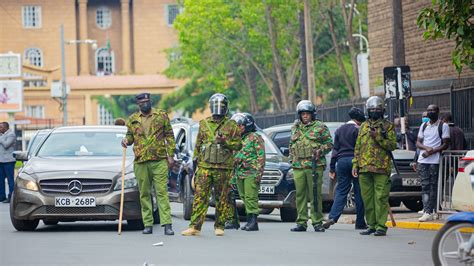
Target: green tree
x,y
451,19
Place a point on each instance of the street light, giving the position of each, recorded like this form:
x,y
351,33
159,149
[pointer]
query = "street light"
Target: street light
x,y
93,43
362,37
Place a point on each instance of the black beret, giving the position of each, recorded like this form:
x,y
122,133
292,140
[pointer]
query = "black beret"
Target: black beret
x,y
142,96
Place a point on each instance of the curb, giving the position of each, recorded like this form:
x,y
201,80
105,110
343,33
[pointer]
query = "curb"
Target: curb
x,y
416,225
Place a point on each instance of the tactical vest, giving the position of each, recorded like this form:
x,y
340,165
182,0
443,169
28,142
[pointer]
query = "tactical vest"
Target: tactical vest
x,y
302,149
214,152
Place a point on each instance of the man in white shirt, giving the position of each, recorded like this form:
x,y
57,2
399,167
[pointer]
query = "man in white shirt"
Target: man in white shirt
x,y
433,138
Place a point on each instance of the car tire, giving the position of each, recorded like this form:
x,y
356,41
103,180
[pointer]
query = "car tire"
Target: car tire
x,y
50,222
187,199
350,207
24,225
288,214
135,224
413,205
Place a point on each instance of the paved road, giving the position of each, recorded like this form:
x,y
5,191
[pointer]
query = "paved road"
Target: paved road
x,y
97,243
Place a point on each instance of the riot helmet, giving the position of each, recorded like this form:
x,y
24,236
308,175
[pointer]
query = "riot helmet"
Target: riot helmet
x,y
218,104
306,106
246,120
375,107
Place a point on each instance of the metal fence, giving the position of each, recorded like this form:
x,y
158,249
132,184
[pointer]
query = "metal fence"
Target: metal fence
x,y
453,95
448,170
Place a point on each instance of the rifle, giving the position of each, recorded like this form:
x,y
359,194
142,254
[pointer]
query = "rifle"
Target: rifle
x,y
315,182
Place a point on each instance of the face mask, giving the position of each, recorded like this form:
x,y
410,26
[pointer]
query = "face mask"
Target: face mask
x,y
425,119
145,107
375,115
433,116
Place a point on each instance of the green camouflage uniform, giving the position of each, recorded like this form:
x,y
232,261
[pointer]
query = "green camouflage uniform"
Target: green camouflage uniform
x,y
304,140
249,165
152,146
211,174
374,164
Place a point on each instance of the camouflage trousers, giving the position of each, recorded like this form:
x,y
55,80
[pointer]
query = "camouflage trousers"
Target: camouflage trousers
x,y
205,180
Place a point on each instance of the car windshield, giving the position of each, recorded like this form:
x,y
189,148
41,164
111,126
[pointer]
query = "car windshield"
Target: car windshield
x,y
83,144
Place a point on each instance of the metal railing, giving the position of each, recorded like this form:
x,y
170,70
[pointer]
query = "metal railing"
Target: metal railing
x,y
448,170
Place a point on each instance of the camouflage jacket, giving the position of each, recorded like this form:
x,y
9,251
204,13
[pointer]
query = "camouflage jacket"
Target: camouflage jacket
x,y
372,154
250,159
307,138
208,130
156,145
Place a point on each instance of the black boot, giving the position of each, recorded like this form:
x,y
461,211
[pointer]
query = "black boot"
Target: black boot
x,y
253,225
247,224
231,225
367,232
148,230
169,230
298,228
319,228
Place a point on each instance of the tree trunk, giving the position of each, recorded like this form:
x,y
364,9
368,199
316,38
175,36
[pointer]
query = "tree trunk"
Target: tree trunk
x,y
250,77
352,51
339,55
277,67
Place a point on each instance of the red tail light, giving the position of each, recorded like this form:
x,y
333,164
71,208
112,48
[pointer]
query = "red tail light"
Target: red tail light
x,y
463,163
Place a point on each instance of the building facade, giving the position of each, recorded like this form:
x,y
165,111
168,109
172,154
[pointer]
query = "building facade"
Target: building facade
x,y
128,57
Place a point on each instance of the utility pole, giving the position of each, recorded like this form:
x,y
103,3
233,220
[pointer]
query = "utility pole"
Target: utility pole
x,y
309,52
398,38
304,68
63,78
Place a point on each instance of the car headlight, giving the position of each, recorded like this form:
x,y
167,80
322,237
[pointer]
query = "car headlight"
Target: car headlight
x,y
26,184
130,181
289,175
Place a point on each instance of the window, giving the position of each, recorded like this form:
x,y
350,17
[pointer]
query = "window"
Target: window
x,y
105,117
103,17
36,111
34,56
31,16
172,11
104,62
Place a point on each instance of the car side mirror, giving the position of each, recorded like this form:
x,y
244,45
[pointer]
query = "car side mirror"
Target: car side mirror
x,y
21,155
285,151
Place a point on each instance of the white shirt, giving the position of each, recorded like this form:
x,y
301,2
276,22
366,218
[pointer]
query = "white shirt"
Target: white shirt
x,y
430,138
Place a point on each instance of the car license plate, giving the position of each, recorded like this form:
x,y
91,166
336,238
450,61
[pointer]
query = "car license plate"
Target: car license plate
x,y
74,201
411,182
266,190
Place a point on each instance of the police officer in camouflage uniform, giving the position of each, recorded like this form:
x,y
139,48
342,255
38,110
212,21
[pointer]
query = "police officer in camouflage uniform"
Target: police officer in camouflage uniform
x,y
372,163
218,138
150,132
310,140
249,163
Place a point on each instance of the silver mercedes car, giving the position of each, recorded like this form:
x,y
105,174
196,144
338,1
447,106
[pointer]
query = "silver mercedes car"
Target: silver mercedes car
x,y
74,175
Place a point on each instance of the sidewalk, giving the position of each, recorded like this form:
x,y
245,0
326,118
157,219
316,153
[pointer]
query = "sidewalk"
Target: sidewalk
x,y
404,219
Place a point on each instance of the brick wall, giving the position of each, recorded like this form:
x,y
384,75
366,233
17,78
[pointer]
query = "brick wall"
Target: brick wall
x,y
427,59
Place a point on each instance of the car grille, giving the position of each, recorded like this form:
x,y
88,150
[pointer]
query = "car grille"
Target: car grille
x,y
99,209
89,186
271,177
404,165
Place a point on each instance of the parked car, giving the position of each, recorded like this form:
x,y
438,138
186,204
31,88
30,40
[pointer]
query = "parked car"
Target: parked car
x,y
277,188
405,187
74,175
